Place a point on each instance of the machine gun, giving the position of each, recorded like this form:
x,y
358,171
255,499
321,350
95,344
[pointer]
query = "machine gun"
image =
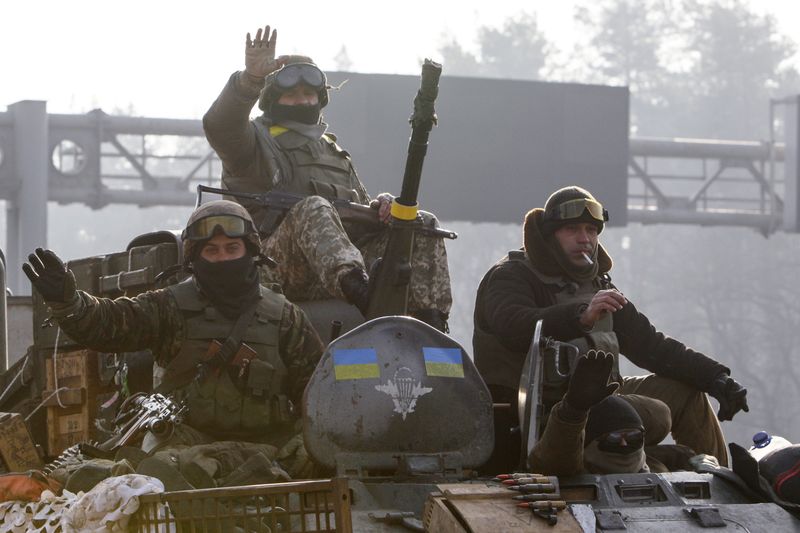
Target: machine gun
x,y
277,203
391,277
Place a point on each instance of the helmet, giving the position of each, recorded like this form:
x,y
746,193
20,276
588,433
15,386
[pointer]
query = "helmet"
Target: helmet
x,y
220,215
782,469
572,204
296,70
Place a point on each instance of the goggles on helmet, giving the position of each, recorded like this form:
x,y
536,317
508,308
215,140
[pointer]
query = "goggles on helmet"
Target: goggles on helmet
x,y
575,208
205,228
621,441
291,75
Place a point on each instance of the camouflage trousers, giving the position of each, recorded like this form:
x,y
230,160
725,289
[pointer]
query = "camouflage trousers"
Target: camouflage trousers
x,y
313,250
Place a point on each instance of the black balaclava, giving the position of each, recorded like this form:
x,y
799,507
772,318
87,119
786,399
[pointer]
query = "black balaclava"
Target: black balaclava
x,y
612,414
231,286
305,114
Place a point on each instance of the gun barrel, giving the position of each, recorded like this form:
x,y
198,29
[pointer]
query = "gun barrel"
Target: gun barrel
x,y
422,121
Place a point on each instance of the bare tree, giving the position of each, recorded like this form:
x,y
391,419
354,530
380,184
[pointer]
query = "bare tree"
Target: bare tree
x,y
517,50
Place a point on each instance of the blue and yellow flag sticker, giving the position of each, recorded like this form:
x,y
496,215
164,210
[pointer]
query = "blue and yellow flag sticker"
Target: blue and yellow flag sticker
x,y
361,363
443,362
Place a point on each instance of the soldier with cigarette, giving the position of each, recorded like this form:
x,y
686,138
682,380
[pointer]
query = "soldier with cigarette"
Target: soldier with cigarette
x,y
561,276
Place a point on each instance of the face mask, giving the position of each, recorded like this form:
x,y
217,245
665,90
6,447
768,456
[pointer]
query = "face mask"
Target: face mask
x,y
599,462
304,114
230,285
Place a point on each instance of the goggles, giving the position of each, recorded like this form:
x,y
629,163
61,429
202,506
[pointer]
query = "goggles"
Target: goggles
x,y
205,228
292,75
575,208
621,441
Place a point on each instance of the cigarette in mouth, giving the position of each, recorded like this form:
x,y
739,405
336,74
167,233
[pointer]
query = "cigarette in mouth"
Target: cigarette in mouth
x,y
587,258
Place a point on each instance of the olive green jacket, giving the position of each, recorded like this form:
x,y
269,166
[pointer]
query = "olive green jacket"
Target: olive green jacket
x,y
257,157
559,451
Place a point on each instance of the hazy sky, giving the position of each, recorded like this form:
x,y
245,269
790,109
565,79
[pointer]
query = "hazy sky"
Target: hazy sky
x,y
170,58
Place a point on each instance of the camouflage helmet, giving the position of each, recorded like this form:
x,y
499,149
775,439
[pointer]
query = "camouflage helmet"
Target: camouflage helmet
x,y
271,91
572,204
223,216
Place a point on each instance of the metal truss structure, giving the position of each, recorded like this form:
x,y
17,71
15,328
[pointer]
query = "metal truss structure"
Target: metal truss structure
x,y
97,159
706,182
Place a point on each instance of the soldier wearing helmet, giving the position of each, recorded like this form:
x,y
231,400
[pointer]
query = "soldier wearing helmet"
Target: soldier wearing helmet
x,y
561,276
238,353
288,148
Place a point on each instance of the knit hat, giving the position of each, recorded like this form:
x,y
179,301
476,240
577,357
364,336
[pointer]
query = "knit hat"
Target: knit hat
x,y
612,414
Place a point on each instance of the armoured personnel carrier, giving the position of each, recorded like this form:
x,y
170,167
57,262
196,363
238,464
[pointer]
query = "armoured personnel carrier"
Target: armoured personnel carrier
x,y
395,408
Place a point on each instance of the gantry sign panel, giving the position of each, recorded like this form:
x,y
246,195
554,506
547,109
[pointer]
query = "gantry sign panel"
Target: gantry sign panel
x,y
501,145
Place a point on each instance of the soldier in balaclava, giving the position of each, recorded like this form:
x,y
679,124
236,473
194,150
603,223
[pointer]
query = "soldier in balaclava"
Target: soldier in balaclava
x,y
561,276
592,430
289,149
238,353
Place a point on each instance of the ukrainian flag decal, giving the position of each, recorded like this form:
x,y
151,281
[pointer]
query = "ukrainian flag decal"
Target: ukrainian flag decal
x,y
443,362
359,363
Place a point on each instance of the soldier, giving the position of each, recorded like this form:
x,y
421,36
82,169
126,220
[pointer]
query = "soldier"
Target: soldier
x,y
238,353
288,149
592,431
561,276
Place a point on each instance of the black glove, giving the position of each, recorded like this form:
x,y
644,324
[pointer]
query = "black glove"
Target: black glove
x,y
589,384
50,277
731,396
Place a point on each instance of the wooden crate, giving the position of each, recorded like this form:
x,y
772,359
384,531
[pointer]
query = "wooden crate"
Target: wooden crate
x,y
17,450
481,508
74,422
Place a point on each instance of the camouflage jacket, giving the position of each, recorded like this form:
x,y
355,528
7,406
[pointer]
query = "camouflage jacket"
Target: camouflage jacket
x,y
152,321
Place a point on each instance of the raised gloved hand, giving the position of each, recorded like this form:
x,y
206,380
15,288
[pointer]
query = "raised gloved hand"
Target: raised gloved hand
x,y
732,397
259,54
50,277
589,384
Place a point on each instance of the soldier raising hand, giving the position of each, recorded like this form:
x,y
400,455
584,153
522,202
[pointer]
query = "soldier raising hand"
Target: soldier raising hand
x,y
289,149
238,353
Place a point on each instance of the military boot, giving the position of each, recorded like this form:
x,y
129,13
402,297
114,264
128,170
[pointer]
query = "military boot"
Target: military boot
x,y
355,286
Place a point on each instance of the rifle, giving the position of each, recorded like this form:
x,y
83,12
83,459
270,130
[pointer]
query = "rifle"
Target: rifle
x,y
278,203
391,277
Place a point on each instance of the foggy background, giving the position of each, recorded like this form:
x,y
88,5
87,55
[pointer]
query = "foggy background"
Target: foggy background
x,y
695,69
